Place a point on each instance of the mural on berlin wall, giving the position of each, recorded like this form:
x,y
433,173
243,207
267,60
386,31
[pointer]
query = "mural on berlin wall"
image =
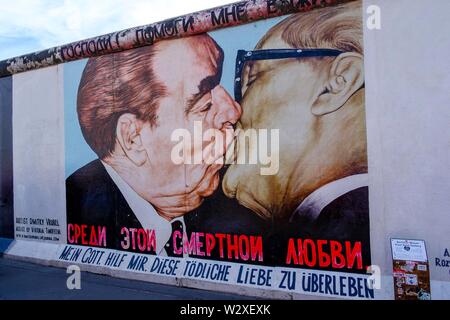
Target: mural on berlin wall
x,y
245,145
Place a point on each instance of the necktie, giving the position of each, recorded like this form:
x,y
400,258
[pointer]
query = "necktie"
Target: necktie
x,y
176,226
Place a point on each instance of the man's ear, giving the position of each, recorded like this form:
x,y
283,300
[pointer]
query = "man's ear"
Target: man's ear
x,y
129,138
345,77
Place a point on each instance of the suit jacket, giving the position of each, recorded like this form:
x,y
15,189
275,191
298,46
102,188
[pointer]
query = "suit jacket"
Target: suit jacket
x,y
94,199
344,219
220,214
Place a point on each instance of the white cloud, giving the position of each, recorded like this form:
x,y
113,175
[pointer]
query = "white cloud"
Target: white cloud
x,y
31,25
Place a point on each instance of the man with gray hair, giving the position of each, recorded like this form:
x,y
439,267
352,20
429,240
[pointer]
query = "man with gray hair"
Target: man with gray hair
x,y
306,79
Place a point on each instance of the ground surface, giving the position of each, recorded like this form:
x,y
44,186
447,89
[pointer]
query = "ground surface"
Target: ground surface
x,y
23,280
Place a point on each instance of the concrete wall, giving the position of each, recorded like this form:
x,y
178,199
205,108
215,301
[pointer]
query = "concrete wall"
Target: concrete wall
x,y
38,135
408,117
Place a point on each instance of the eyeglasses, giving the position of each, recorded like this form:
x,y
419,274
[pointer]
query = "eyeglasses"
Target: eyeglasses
x,y
244,56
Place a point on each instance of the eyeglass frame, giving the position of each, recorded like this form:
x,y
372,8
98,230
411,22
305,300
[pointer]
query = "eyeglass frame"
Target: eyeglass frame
x,y
244,56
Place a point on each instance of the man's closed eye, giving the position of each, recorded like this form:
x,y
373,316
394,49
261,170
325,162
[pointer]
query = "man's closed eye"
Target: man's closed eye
x,y
206,107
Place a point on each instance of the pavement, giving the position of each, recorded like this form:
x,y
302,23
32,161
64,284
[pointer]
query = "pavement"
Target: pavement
x,y
27,281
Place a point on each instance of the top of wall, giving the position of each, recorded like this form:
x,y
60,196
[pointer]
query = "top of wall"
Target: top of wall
x,y
199,22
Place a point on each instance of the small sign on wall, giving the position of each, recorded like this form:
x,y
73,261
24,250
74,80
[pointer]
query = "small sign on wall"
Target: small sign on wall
x,y
411,270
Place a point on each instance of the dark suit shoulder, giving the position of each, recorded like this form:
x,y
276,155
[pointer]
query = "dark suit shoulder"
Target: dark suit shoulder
x,y
93,199
91,195
92,173
345,219
349,211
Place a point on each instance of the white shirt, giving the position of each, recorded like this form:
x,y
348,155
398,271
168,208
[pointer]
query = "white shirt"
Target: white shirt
x,y
145,212
313,204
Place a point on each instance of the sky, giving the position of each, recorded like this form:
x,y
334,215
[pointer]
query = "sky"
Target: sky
x,y
32,25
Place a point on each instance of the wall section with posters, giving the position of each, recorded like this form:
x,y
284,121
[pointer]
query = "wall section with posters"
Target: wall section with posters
x,y
407,130
241,160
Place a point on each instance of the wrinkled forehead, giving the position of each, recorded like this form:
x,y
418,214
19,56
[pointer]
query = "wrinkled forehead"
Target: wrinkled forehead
x,y
192,58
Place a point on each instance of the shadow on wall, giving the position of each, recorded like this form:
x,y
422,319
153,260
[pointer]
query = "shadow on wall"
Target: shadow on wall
x,y
6,164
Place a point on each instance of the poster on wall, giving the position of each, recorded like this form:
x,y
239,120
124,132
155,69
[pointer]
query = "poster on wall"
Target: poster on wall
x,y
237,156
411,270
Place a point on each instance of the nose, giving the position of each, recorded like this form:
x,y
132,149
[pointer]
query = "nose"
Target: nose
x,y
227,111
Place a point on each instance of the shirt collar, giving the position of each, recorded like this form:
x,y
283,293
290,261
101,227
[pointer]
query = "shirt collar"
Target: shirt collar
x,y
313,204
144,211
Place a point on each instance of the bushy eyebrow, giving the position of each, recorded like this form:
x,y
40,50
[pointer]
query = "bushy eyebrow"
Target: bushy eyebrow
x,y
205,86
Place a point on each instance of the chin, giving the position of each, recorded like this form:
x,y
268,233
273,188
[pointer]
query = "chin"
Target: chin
x,y
212,186
229,186
251,203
